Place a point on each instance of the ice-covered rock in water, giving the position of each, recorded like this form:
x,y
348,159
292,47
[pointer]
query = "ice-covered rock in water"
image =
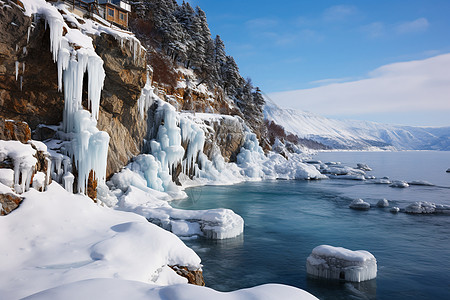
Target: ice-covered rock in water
x,y
339,263
383,180
363,167
399,184
383,203
442,209
369,176
420,182
348,176
421,208
448,170
394,210
359,204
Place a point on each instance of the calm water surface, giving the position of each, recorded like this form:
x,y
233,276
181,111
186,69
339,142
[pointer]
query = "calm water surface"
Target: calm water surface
x,y
285,220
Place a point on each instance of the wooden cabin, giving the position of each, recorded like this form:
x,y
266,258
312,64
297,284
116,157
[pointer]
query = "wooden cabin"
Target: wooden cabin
x,y
116,11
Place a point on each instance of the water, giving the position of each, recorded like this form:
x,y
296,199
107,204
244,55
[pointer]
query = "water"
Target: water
x,y
285,220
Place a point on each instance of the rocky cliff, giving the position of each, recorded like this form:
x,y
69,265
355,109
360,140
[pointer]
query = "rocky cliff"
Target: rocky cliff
x,y
29,82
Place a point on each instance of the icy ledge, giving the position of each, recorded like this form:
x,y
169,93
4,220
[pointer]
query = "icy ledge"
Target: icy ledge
x,y
339,263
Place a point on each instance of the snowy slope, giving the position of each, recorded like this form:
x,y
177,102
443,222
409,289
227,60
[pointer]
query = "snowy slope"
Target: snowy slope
x,y
347,134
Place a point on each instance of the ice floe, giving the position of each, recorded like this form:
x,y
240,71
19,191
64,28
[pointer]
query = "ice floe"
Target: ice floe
x,y
427,208
339,263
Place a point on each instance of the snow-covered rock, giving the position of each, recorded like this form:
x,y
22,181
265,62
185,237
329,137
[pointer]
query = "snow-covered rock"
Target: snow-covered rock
x,y
339,263
399,184
359,204
394,210
383,203
363,167
448,170
383,180
427,208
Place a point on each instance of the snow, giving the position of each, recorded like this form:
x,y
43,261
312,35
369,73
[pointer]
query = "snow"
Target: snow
x,y
420,182
24,162
394,210
427,208
123,289
72,239
363,135
359,204
340,263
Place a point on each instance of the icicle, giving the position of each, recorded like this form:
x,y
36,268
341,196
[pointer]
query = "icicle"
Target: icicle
x,y
23,67
68,182
17,70
96,77
24,51
21,80
28,34
49,169
17,47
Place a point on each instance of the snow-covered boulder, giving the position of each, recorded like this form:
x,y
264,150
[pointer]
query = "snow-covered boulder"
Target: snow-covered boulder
x,y
383,203
421,208
359,204
384,180
427,208
394,210
339,263
399,184
363,167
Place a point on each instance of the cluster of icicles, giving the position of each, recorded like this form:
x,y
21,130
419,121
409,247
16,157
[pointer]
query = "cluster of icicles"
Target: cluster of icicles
x,y
89,146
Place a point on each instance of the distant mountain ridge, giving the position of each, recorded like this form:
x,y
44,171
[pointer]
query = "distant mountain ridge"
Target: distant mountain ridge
x,y
357,135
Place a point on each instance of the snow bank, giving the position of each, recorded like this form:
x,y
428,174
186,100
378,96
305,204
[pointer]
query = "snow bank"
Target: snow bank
x,y
340,263
123,289
72,239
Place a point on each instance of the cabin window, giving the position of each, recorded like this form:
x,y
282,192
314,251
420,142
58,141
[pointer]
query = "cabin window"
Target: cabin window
x,y
122,16
111,12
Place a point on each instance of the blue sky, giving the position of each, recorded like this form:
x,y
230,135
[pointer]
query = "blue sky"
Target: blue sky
x,y
296,45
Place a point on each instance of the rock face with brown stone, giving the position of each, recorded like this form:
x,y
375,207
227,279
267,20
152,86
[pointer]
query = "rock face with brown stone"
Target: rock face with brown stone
x,y
194,277
14,130
8,203
228,136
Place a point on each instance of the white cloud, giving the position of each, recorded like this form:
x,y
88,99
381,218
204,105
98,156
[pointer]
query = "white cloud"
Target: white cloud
x,y
339,12
414,86
375,29
419,25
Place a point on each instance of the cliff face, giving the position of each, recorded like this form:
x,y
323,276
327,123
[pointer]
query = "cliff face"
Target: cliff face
x,y
28,77
34,96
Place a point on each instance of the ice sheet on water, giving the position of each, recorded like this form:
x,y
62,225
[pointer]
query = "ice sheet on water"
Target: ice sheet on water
x,y
427,208
339,263
399,184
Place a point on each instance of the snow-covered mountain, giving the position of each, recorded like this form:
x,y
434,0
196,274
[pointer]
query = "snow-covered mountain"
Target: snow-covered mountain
x,y
349,134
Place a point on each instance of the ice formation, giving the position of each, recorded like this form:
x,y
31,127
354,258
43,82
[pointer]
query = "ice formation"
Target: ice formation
x,y
359,204
89,146
448,170
24,162
383,203
399,184
339,263
394,210
363,167
427,208
420,182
